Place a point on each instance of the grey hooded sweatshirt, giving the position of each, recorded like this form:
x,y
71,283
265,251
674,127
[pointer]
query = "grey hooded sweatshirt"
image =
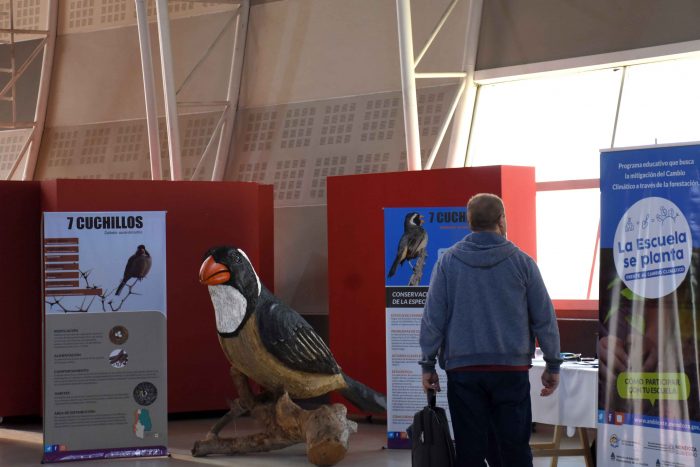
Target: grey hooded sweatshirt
x,y
485,306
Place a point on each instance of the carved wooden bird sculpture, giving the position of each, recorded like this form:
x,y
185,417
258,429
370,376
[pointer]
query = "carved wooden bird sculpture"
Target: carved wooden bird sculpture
x,y
412,242
137,267
268,341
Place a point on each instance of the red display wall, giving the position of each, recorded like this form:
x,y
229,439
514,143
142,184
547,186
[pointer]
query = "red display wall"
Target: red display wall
x,y
356,275
20,312
199,215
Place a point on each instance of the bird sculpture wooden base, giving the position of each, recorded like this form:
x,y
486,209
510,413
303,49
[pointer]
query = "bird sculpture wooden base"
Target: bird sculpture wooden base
x,y
325,431
270,343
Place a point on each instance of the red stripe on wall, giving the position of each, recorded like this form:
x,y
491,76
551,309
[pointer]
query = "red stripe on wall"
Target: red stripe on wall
x,y
50,284
58,240
61,249
62,267
61,275
568,185
60,258
58,292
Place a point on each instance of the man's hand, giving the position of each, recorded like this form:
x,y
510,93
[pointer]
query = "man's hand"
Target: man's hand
x,y
431,381
550,381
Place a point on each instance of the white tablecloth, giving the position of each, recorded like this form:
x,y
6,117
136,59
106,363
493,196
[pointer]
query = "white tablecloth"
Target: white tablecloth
x,y
574,403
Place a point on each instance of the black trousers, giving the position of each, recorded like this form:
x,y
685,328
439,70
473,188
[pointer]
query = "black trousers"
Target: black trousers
x,y
491,417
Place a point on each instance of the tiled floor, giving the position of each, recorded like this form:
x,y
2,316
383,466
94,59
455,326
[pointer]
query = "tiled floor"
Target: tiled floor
x,y
20,446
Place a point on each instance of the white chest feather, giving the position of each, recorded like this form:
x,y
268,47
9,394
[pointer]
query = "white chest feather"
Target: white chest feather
x,y
229,307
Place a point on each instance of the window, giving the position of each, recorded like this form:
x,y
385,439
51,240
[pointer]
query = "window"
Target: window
x,y
660,104
558,123
566,268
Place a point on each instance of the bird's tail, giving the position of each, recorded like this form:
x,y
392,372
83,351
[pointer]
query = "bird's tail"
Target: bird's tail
x,y
121,286
392,271
363,397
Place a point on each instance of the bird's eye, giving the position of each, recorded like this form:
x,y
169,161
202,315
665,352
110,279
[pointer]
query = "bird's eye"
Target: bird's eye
x,y
237,259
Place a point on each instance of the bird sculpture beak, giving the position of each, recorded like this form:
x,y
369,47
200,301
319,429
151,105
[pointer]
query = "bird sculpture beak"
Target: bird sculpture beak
x,y
213,273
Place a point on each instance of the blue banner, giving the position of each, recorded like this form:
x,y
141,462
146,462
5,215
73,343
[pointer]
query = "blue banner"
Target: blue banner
x,y
649,397
414,240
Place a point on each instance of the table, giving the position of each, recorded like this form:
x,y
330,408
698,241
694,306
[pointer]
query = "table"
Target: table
x,y
573,404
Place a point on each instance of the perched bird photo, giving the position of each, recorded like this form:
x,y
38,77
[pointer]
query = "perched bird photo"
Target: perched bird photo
x,y
412,242
137,267
268,341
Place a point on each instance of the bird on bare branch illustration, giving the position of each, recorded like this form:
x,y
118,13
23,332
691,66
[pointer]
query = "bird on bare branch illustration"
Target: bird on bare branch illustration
x,y
137,267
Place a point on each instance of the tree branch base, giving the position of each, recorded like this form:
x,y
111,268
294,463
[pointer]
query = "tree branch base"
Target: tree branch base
x,y
418,270
326,431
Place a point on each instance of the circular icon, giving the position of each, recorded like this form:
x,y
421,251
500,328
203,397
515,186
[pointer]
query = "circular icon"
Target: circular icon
x,y
145,393
652,247
118,335
614,441
118,358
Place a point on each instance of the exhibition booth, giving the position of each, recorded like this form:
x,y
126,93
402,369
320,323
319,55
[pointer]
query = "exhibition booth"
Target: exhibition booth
x,y
199,215
356,237
194,217
643,399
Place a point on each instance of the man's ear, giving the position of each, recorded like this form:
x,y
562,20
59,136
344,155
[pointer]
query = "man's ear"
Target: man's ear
x,y
502,225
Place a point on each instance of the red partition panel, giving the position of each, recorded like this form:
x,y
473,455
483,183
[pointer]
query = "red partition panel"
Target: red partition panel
x,y
20,312
356,273
200,215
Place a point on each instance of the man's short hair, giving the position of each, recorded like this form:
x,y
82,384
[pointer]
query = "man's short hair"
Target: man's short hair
x,y
484,211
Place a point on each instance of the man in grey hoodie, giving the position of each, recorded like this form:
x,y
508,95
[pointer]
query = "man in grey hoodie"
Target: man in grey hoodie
x,y
486,305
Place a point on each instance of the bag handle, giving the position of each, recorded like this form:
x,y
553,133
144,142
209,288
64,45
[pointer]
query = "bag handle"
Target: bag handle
x,y
432,398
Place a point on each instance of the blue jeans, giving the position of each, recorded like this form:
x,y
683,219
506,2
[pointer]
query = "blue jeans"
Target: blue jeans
x,y
496,401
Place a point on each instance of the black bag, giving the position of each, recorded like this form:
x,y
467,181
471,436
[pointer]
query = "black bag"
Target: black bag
x,y
431,444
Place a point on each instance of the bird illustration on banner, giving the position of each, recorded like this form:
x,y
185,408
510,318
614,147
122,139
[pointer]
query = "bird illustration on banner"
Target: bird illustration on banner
x,y
269,342
137,267
412,243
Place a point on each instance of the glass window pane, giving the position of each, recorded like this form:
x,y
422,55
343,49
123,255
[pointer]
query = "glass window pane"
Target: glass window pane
x,y
567,227
558,124
660,103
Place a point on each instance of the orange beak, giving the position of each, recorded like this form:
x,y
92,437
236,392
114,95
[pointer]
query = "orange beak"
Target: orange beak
x,y
213,273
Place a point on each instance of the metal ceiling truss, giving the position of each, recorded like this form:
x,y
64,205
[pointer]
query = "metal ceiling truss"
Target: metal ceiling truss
x,y
8,93
462,108
224,127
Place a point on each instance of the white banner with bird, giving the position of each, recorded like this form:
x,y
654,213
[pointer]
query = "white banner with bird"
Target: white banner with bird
x,y
105,346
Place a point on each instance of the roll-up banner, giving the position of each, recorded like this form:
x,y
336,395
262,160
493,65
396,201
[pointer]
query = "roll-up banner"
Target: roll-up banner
x,y
649,392
104,298
414,238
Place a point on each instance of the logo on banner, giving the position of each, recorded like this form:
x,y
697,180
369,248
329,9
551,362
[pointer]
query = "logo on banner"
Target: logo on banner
x,y
652,247
614,441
